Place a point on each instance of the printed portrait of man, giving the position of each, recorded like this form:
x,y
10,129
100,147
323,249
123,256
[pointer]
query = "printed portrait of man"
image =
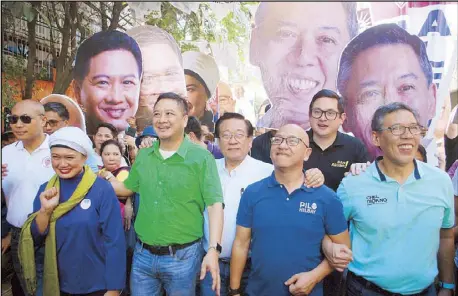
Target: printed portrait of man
x,y
76,116
106,81
297,48
225,99
162,67
384,64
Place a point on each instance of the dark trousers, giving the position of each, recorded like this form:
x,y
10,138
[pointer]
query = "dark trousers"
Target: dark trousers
x,y
97,293
15,235
355,288
332,284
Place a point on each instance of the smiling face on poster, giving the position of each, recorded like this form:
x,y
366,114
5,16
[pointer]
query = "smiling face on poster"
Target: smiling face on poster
x,y
162,67
107,75
384,64
297,48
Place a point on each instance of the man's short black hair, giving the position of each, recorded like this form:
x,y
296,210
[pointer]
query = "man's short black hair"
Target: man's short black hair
x,y
177,98
384,34
194,126
59,108
233,115
111,142
422,151
101,42
109,126
327,93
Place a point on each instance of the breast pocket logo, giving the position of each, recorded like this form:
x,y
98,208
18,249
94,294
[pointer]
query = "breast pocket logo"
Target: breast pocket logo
x,y
306,207
340,164
46,162
375,200
85,204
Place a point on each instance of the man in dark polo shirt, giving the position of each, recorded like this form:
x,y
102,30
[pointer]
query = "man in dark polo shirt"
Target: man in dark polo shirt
x,y
333,152
285,223
177,180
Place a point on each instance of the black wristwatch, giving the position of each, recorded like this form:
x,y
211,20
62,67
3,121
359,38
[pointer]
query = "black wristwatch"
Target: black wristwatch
x,y
232,292
217,247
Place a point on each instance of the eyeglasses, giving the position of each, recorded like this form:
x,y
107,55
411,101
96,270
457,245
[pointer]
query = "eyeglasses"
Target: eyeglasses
x,y
52,122
290,141
26,119
329,114
398,129
237,136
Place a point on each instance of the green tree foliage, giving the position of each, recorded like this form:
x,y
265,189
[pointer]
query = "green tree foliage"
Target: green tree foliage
x,y
203,25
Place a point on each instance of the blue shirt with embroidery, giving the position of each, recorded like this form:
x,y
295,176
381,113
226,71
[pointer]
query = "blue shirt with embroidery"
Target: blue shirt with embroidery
x,y
395,228
90,243
286,230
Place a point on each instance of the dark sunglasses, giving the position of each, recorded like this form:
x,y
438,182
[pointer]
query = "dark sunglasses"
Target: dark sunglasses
x,y
26,119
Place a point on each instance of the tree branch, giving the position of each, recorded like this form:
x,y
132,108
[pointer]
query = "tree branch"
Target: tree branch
x,y
54,17
118,7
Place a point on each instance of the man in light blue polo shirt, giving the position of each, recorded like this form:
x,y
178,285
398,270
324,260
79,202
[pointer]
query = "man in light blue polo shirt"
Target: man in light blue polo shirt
x,y
401,214
285,222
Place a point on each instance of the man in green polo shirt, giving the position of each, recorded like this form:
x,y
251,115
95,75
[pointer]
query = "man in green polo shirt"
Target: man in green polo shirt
x,y
176,180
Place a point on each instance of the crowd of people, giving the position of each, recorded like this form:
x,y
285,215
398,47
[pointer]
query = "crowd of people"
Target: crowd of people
x,y
152,193
154,224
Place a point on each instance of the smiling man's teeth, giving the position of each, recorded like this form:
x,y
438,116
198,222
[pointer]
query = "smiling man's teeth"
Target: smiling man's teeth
x,y
116,113
406,146
302,84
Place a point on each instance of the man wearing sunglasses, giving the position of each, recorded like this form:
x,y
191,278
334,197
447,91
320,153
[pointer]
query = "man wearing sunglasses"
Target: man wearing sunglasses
x,y
401,215
57,117
285,221
26,164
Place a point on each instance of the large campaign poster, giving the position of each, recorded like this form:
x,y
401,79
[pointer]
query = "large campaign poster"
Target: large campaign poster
x,y
406,53
398,51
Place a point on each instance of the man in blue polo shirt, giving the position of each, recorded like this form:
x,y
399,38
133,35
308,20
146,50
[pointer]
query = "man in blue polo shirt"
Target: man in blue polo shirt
x,y
286,222
401,214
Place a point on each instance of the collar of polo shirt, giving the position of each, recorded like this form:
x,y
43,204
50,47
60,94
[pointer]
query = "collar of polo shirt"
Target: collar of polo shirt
x,y
272,182
182,150
337,142
44,145
377,173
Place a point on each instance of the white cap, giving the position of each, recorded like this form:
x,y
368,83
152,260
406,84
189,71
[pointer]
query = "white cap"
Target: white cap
x,y
73,138
204,66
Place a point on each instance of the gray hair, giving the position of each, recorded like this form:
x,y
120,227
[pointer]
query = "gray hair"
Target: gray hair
x,y
349,7
382,111
58,108
146,35
384,34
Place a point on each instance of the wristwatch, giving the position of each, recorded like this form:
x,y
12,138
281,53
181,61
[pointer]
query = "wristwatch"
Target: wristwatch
x,y
232,292
447,286
217,247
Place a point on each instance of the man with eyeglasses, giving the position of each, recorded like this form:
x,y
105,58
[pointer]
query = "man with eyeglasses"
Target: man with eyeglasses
x,y
57,117
401,215
333,152
237,171
285,222
26,164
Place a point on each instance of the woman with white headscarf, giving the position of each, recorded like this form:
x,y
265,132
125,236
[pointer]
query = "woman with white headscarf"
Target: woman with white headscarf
x,y
78,220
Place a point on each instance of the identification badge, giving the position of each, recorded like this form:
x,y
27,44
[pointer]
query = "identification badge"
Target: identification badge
x,y
85,204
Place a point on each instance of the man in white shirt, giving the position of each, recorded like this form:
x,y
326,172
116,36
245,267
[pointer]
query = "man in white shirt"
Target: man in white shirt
x,y
237,170
26,164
